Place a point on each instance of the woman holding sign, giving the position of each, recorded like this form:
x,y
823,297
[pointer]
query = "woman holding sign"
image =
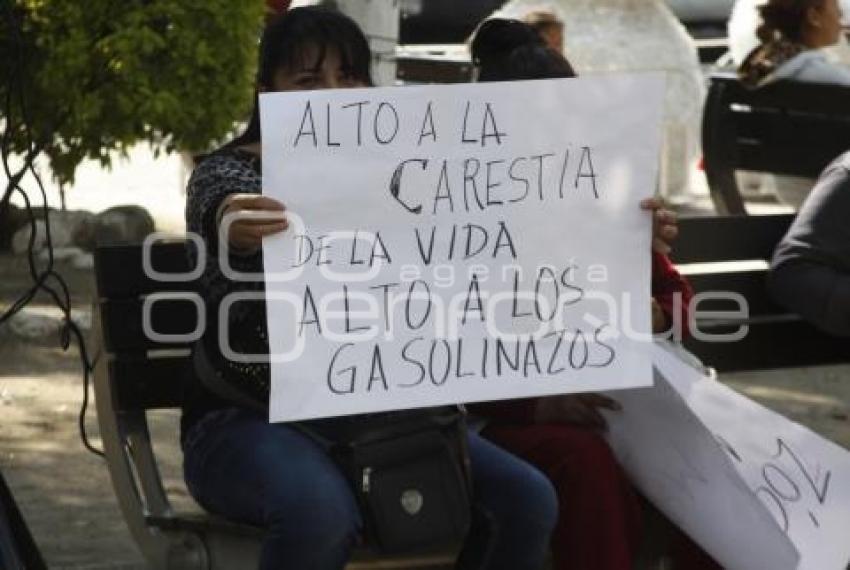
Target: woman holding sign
x,y
273,475
599,517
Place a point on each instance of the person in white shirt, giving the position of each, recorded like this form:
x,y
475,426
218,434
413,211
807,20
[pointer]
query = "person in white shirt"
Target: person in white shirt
x,y
745,19
793,36
797,40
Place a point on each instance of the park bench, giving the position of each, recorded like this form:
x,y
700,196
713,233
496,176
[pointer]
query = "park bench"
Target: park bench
x,y
135,374
731,254
786,128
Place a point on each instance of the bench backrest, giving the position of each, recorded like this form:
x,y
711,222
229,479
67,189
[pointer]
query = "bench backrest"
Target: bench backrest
x,y
776,338
134,374
787,127
151,371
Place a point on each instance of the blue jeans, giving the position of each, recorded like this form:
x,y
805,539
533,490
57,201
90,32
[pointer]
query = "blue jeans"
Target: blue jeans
x,y
239,466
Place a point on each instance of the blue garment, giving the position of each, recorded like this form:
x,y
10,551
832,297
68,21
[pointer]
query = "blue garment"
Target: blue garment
x,y
239,466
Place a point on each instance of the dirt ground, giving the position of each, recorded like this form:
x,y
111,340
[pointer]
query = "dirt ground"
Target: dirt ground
x,y
65,492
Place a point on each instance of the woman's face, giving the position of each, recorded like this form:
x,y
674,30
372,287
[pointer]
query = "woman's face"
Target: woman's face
x,y
315,73
824,23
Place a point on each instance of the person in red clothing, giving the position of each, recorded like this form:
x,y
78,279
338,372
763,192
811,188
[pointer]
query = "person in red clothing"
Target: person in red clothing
x,y
599,518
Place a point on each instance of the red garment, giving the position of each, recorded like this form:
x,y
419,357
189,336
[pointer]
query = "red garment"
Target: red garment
x,y
599,521
671,291
599,514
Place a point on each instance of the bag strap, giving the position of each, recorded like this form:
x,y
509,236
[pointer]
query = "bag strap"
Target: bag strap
x,y
443,416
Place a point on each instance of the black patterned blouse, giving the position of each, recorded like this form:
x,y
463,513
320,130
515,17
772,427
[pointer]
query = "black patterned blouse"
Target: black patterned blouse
x,y
227,171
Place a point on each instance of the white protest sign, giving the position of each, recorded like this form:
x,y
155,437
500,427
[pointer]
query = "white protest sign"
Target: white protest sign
x,y
679,466
802,479
458,243
753,488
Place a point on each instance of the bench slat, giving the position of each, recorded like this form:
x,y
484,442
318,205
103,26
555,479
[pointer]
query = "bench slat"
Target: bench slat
x,y
768,345
779,127
729,238
787,160
123,326
831,99
119,269
748,284
146,384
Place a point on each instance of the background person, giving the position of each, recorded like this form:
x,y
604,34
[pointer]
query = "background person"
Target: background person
x,y
810,271
506,49
792,35
745,20
240,466
600,517
794,38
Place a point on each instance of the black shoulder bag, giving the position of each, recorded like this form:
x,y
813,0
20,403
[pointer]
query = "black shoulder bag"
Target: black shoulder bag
x,y
410,473
409,469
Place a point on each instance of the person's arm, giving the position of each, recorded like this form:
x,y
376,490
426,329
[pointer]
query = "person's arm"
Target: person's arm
x,y
815,291
221,187
810,272
671,292
211,183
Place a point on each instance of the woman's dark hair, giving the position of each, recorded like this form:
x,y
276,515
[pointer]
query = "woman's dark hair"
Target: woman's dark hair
x,y
290,38
784,18
505,50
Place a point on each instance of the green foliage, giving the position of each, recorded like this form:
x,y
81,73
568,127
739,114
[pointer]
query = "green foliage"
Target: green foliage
x,y
100,75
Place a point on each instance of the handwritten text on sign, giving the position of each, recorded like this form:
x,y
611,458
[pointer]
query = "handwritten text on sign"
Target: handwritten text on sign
x,y
754,489
802,479
458,243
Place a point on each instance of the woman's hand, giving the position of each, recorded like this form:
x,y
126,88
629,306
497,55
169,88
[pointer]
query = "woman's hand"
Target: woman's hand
x,y
665,225
577,409
256,216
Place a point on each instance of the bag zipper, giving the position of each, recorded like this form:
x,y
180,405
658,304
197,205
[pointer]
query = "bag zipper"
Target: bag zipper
x,y
366,481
